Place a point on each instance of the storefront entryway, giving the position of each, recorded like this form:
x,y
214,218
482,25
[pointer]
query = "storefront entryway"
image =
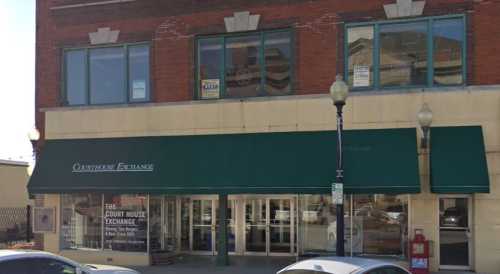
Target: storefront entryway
x,y
257,225
269,225
455,232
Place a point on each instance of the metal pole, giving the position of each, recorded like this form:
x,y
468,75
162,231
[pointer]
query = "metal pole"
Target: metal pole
x,y
222,249
340,180
28,223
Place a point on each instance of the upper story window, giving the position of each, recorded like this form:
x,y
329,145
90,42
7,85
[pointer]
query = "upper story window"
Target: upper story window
x,y
107,75
244,65
422,52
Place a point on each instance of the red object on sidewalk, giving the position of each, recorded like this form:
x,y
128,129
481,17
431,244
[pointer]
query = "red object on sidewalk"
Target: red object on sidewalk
x,y
419,253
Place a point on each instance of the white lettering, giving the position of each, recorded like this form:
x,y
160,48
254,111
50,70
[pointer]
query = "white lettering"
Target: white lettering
x,y
120,167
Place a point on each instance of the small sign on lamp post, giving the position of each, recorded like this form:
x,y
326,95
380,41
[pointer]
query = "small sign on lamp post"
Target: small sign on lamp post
x,y
337,193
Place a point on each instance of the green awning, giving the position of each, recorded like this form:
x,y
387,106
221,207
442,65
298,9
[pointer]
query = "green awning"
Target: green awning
x,y
458,160
376,161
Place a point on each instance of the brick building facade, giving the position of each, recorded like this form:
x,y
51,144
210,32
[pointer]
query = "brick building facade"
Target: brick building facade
x,y
172,105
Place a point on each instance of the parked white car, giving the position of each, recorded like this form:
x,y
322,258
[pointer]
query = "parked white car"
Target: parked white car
x,y
343,265
39,262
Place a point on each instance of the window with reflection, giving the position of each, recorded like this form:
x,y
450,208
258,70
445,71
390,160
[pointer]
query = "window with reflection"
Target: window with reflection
x,y
318,224
81,221
360,52
422,52
107,75
76,82
403,54
382,221
448,38
244,65
278,55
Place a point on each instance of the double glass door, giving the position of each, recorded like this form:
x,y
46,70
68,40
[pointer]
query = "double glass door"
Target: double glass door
x,y
204,225
256,225
269,226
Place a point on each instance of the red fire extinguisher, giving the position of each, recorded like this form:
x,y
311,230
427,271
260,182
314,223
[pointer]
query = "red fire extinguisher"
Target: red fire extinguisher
x,y
419,253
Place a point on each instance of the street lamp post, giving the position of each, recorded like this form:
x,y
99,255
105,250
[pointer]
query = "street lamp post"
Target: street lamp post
x,y
33,136
338,93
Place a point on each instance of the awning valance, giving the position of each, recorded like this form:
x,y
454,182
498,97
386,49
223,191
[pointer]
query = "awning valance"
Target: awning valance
x,y
458,160
376,161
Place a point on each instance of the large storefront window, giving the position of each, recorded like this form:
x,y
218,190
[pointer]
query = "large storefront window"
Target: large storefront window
x,y
125,222
318,224
374,225
250,65
81,221
422,52
382,221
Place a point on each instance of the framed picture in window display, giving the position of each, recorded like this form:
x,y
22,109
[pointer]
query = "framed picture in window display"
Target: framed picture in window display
x,y
44,220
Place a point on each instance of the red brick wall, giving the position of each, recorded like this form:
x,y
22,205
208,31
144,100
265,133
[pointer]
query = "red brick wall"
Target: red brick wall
x,y
172,25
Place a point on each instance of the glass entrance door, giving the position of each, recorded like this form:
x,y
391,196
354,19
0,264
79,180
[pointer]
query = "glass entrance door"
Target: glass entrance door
x,y
203,225
454,232
280,213
256,225
169,226
203,233
269,226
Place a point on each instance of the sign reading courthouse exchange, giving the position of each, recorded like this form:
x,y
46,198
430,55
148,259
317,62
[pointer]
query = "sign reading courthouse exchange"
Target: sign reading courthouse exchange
x,y
118,167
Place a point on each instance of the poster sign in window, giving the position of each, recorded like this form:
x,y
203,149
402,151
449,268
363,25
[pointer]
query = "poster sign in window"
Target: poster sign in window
x,y
138,89
361,76
124,229
210,89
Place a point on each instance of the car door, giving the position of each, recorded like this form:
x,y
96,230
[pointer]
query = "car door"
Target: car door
x,y
387,270
52,266
18,266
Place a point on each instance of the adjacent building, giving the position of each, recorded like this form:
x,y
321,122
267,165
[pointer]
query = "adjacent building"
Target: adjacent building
x,y
162,119
14,202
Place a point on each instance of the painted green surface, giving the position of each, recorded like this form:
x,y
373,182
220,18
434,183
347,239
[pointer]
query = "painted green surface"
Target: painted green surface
x,y
458,160
376,161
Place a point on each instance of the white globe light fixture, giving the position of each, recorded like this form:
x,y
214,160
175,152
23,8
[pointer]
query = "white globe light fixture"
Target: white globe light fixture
x,y
424,117
34,135
339,91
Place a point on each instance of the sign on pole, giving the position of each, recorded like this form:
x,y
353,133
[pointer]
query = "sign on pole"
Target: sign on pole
x,y
338,193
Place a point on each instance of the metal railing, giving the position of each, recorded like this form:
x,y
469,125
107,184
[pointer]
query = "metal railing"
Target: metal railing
x,y
15,226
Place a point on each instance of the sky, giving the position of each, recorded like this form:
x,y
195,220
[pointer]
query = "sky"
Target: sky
x,y
17,76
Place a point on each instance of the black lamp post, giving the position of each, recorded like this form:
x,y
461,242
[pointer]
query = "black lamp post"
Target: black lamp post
x,y
338,93
33,136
